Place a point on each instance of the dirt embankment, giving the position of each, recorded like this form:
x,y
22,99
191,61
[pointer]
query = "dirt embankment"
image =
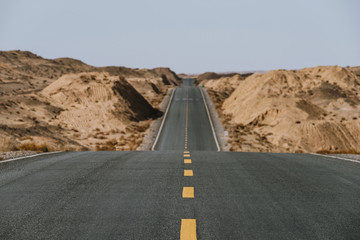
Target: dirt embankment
x,y
65,104
221,88
310,110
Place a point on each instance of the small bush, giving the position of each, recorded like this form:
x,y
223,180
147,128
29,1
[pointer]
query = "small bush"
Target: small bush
x,y
349,151
141,128
108,146
33,147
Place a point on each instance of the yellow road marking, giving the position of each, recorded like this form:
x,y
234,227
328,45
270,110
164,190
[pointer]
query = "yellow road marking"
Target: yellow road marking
x,y
188,229
186,152
188,173
186,155
188,192
187,160
187,118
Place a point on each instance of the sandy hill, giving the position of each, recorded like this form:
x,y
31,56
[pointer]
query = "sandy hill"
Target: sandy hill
x,y
22,71
221,88
207,76
355,70
41,101
213,76
97,106
223,84
310,110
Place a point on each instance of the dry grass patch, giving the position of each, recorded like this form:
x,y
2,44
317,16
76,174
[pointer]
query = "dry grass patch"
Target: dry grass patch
x,y
33,147
350,151
108,146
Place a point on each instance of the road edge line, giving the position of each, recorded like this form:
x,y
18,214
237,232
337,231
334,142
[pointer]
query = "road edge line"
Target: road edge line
x,y
341,158
211,124
163,121
30,156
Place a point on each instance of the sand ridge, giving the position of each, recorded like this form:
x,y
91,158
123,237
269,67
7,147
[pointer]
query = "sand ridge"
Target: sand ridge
x,y
309,110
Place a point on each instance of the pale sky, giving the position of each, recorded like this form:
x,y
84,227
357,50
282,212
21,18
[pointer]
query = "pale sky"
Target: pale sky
x,y
190,36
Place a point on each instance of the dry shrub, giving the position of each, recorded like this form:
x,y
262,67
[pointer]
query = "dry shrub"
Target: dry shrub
x,y
76,135
108,146
142,127
132,146
33,147
327,151
26,138
7,144
1,158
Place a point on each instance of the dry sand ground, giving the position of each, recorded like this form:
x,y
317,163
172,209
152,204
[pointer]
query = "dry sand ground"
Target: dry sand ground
x,y
65,104
309,110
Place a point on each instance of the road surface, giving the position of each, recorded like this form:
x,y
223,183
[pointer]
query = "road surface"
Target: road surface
x,y
145,195
187,116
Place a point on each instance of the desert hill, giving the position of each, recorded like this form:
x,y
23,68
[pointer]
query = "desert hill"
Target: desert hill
x,y
67,104
98,106
309,110
221,87
23,71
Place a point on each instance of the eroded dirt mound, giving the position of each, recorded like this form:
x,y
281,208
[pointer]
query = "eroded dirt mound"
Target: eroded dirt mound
x,y
309,110
97,105
82,107
99,95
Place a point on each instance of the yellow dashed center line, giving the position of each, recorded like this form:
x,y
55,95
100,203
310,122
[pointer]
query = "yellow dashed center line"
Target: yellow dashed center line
x,y
188,173
188,192
188,229
188,226
187,160
187,118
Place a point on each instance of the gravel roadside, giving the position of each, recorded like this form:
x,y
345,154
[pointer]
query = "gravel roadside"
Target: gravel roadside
x,y
348,156
219,129
15,154
153,130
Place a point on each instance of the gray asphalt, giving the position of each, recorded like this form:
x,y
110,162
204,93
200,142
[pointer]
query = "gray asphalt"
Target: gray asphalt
x,y
138,195
200,136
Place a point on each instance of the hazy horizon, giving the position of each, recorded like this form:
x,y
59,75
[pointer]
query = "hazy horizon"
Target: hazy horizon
x,y
188,36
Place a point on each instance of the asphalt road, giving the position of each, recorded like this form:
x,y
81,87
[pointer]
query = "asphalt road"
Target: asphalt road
x,y
187,113
139,195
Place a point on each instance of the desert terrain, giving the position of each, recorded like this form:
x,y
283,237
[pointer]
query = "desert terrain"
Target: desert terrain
x,y
308,110
64,104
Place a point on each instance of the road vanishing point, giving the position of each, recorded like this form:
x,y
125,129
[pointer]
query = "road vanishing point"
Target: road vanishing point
x,y
184,189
